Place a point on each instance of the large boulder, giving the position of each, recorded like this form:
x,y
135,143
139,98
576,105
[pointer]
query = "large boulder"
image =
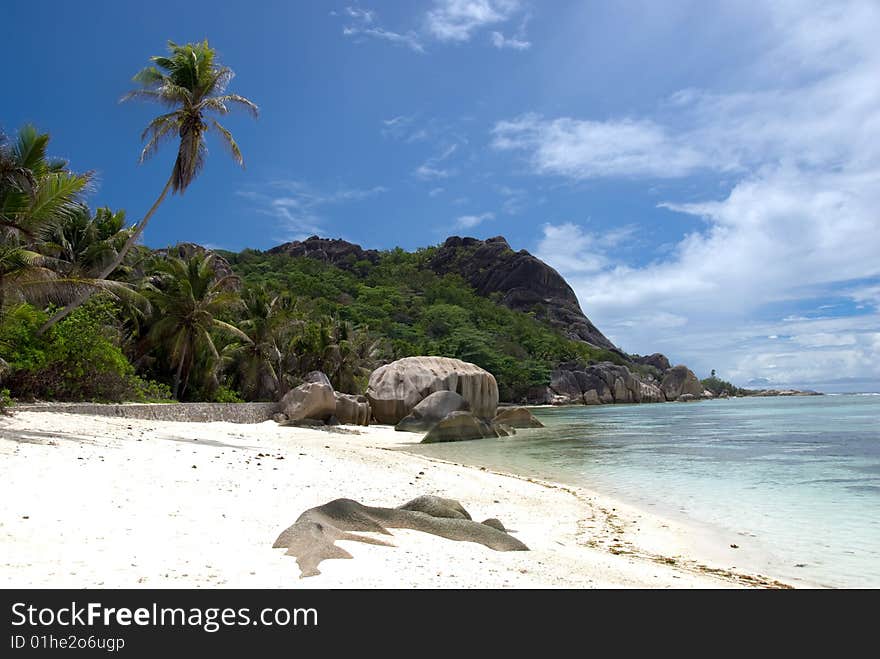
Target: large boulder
x,y
564,384
353,410
318,377
680,380
460,426
432,410
396,388
516,417
599,384
310,400
657,360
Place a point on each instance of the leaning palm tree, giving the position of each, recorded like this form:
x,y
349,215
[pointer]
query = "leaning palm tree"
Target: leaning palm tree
x,y
188,296
193,84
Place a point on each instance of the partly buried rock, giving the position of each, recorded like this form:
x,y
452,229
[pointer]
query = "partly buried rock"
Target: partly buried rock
x,y
353,410
396,388
432,410
461,426
309,401
686,398
436,507
312,538
680,380
517,417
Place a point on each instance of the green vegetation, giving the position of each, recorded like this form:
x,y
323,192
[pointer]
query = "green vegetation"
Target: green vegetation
x,y
192,84
78,359
718,386
87,314
409,310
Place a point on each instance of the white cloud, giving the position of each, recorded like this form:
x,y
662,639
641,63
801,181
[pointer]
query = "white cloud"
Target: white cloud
x,y
448,21
798,226
431,170
297,205
583,149
458,20
363,23
571,250
408,39
501,42
470,221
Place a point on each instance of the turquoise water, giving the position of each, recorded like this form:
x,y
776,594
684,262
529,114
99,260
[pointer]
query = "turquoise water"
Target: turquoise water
x,y
794,480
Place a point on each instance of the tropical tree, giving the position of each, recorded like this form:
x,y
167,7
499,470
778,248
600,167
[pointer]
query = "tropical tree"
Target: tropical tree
x,y
38,195
259,363
188,296
85,242
192,84
36,192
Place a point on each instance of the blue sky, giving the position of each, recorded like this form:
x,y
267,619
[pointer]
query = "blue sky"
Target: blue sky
x,y
704,174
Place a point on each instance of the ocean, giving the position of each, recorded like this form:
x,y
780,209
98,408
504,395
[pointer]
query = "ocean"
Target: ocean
x,y
795,481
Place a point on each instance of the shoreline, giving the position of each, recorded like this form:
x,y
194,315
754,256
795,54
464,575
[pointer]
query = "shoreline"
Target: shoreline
x,y
113,502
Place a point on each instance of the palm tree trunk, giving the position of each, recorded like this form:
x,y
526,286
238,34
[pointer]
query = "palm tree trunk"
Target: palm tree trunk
x,y
178,373
120,257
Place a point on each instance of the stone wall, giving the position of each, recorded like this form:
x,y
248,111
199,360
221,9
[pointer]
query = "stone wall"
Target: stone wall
x,y
200,412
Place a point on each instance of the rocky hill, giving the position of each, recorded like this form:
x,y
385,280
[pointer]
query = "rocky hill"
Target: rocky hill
x,y
545,350
524,281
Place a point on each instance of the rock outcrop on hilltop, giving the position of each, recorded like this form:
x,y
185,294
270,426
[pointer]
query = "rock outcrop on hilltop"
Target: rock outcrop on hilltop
x,y
521,282
396,388
334,251
524,281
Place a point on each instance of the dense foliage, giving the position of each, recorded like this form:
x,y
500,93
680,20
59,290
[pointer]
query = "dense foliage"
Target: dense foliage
x,y
180,323
417,312
718,386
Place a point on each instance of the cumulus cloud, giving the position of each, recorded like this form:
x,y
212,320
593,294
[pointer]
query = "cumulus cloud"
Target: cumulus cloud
x,y
798,227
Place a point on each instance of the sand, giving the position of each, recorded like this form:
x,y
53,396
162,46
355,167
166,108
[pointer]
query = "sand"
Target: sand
x,y
92,501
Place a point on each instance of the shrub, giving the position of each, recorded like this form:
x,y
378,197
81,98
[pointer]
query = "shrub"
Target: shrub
x,y
78,359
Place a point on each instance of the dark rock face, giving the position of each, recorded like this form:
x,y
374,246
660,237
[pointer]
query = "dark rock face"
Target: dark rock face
x,y
334,251
597,384
658,361
525,283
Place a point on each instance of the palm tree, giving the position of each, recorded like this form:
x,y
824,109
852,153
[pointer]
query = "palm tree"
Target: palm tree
x,y
38,195
188,296
84,243
191,82
36,192
259,363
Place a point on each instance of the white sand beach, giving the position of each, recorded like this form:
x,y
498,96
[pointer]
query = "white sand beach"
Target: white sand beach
x,y
93,501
